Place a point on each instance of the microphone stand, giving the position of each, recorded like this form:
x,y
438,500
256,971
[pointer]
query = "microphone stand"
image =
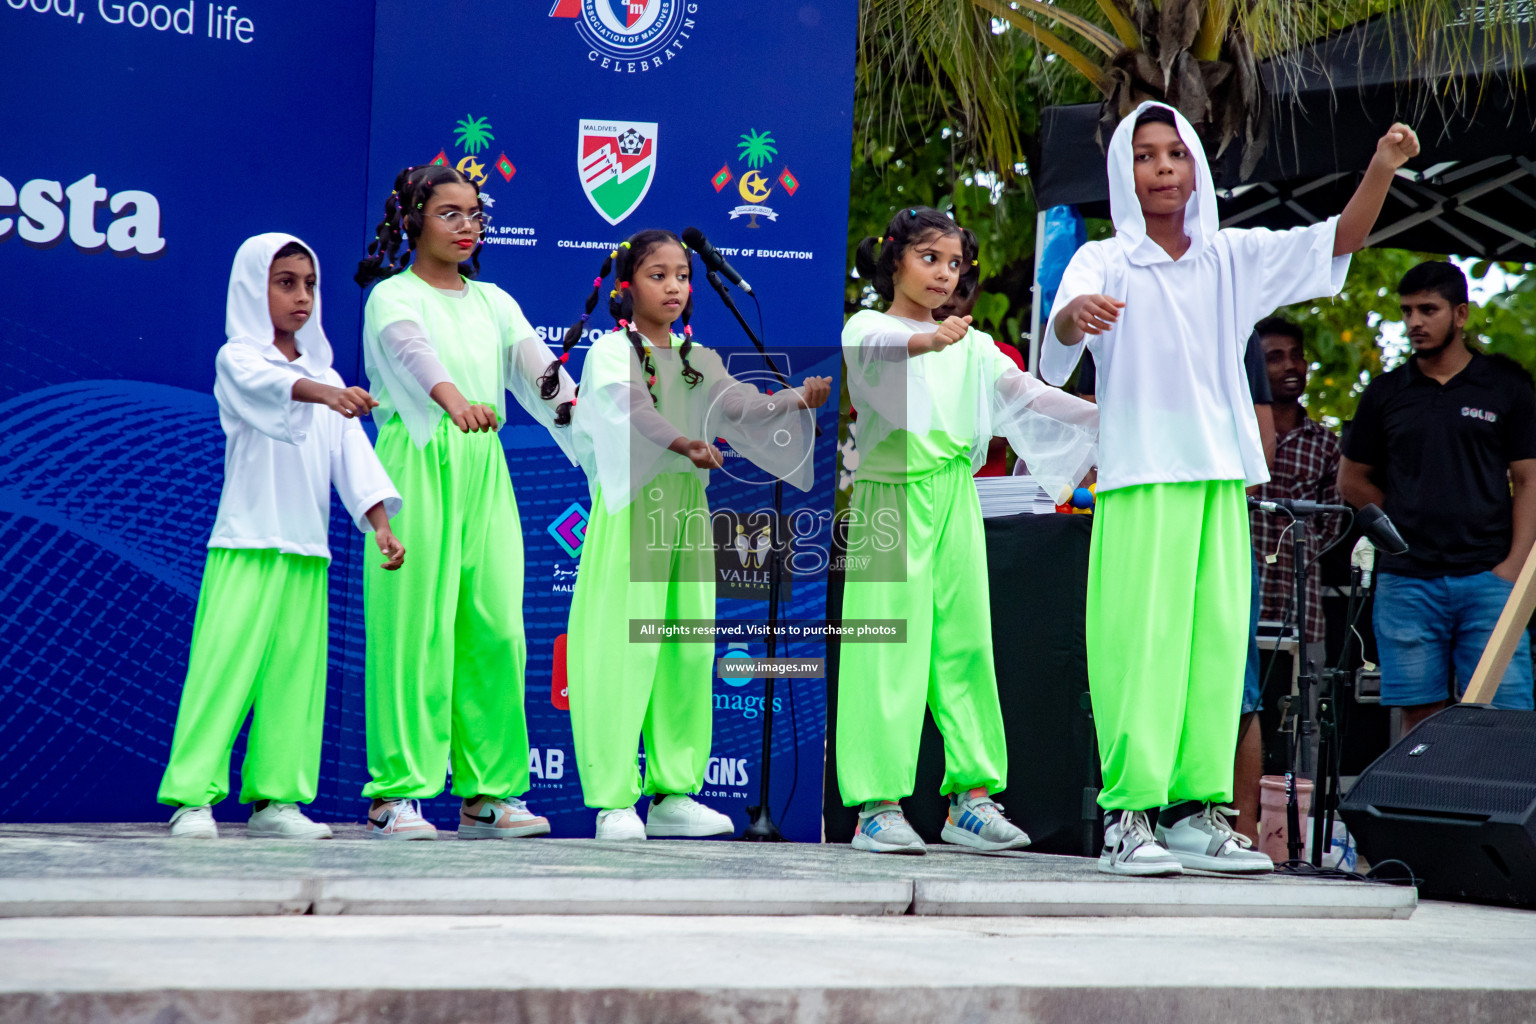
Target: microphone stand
x,y
1296,716
1325,797
1299,749
762,828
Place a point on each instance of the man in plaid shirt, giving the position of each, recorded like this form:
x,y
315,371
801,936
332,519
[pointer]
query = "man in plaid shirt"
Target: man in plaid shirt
x,y
1305,466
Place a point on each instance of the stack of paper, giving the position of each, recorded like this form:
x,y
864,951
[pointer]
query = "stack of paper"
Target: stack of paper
x,y
1011,496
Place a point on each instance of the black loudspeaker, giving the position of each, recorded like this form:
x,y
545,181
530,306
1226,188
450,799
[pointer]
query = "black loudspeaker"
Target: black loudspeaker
x,y
1455,800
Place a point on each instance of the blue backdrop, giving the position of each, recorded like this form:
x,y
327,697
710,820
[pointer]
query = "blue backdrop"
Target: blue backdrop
x,y
145,141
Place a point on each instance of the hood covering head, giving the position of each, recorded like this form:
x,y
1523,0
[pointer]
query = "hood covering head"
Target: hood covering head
x,y
247,317
1200,219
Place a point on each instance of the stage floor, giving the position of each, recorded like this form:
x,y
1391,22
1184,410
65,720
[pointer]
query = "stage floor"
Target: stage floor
x,y
576,932
137,870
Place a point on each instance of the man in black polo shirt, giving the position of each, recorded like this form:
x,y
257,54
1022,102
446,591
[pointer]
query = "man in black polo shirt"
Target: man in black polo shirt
x,y
1437,443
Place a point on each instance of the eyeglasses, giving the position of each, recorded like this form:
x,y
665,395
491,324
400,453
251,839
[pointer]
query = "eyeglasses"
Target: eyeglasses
x,y
455,221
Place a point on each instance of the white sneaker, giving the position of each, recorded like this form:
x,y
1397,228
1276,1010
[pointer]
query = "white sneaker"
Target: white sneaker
x,y
622,823
399,819
272,820
1130,848
194,823
681,815
1205,840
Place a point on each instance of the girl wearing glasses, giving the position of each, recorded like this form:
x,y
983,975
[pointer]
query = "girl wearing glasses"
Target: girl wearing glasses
x,y
445,650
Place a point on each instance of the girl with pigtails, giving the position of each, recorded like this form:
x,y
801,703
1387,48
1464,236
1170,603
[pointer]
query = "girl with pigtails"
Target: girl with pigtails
x,y
931,396
649,404
445,650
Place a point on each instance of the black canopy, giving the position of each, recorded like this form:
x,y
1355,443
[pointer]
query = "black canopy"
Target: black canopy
x,y
1471,192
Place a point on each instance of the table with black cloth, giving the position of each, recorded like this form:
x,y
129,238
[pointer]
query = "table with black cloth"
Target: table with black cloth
x,y
1037,575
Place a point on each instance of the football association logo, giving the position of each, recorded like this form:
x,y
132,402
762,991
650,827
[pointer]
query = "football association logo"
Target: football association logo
x,y
617,162
630,35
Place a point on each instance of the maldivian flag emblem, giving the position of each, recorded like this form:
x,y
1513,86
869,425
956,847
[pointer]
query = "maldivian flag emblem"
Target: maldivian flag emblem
x,y
441,160
789,181
505,167
722,178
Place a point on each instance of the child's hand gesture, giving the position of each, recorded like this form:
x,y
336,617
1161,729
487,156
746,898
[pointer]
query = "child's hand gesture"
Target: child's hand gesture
x,y
815,392
950,331
704,455
1398,146
471,418
350,402
390,547
1094,314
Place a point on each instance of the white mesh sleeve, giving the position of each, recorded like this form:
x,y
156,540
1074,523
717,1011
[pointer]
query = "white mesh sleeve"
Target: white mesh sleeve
x,y
772,431
1055,433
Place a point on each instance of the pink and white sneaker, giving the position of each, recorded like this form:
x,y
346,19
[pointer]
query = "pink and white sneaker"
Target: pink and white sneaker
x,y
398,819
491,818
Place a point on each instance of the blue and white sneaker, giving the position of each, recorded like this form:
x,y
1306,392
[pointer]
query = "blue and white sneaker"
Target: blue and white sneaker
x,y
976,821
884,829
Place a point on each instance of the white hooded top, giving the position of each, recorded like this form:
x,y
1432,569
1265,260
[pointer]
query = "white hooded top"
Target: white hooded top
x,y
281,456
1173,397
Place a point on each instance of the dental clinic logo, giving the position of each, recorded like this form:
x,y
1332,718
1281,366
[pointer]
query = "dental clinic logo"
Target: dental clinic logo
x,y
626,36
617,163
752,547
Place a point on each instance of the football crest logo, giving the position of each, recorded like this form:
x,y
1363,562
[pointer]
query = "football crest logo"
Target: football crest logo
x,y
617,163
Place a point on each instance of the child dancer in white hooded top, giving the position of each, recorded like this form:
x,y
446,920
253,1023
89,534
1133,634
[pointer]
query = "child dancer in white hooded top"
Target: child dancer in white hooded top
x,y
260,635
1167,306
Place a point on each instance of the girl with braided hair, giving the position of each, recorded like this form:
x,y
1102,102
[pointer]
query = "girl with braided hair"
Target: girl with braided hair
x,y
650,401
446,651
931,395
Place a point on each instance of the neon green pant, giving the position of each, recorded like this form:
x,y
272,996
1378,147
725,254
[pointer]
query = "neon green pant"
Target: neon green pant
x,y
654,560
445,633
259,640
1169,581
936,580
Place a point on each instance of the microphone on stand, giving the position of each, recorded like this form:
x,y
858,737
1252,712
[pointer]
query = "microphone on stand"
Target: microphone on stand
x,y
1296,506
712,258
1374,522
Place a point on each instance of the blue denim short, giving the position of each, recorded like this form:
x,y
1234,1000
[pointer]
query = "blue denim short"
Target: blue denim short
x,y
1427,627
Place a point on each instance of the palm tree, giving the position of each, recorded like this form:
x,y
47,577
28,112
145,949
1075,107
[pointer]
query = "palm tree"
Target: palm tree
x,y
1200,56
756,149
473,134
